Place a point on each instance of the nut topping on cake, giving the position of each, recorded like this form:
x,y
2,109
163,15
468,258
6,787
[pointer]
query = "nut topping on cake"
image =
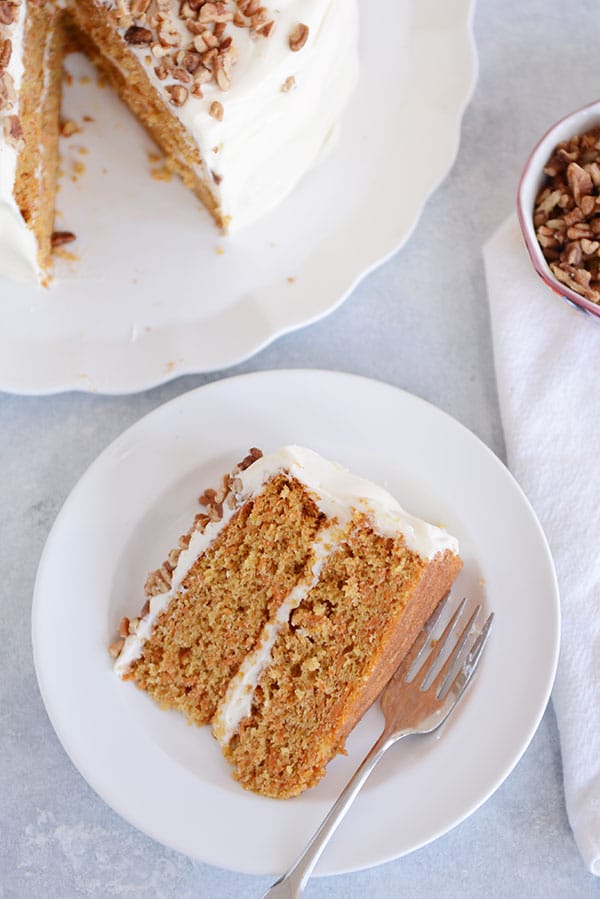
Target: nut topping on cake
x,y
116,647
13,131
8,12
216,110
10,123
5,52
178,94
298,37
210,53
138,36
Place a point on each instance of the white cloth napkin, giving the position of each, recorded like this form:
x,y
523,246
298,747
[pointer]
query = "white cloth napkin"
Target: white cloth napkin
x,y
547,358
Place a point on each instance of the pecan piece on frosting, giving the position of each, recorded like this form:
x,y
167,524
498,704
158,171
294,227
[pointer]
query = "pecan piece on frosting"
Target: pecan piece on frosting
x,y
8,12
298,37
138,36
178,94
216,110
5,52
13,131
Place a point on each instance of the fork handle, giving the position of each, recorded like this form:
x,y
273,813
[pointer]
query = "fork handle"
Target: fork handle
x,y
292,884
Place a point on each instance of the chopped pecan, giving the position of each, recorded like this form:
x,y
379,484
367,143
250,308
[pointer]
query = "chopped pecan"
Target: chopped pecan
x,y
8,12
116,647
59,238
298,37
178,94
567,214
216,110
138,36
13,131
5,52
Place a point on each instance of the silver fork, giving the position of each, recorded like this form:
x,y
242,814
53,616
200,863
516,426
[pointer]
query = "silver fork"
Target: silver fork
x,y
417,700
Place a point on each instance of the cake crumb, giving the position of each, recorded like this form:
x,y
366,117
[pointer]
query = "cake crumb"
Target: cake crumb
x,y
68,128
162,173
84,79
220,251
65,254
78,170
88,118
83,151
291,280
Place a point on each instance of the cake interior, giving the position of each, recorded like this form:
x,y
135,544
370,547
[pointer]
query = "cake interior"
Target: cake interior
x,y
50,33
199,641
332,659
99,39
285,630
39,104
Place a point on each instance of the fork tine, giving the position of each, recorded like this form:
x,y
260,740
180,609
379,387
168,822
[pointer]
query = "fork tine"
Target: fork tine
x,y
421,640
470,664
442,680
427,665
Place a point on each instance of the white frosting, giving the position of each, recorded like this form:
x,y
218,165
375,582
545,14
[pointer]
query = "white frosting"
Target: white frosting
x,y
18,246
337,493
336,489
267,138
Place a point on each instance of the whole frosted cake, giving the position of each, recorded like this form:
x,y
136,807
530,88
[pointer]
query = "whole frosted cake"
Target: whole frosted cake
x,y
242,99
284,611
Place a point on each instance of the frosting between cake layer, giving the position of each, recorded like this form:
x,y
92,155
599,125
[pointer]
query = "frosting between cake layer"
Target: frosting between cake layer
x,y
336,491
237,702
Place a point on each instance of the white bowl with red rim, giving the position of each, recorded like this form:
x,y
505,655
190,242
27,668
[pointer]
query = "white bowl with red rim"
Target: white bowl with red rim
x,y
532,179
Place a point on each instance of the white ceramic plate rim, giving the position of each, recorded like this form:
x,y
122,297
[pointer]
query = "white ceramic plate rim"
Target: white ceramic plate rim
x,y
435,105
533,636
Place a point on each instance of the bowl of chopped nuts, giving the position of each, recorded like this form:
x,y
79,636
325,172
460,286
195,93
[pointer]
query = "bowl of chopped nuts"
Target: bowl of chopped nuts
x,y
558,206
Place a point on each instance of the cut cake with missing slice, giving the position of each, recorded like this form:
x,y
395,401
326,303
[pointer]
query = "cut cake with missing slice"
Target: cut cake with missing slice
x,y
241,98
284,611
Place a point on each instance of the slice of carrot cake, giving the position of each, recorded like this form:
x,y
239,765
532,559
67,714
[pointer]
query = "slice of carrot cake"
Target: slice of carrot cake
x,y
284,611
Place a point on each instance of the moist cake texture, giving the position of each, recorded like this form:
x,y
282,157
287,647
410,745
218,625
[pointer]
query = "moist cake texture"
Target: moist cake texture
x,y
242,99
284,611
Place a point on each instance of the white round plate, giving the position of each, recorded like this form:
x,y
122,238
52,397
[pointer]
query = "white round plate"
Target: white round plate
x,y
169,779
156,292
